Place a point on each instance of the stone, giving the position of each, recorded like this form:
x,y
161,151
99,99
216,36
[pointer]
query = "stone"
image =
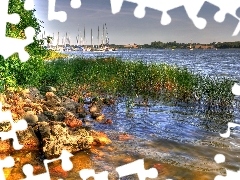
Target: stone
x,y
30,117
50,114
34,94
69,104
94,109
28,139
56,136
100,138
108,121
71,120
27,109
49,95
73,123
50,89
52,99
101,118
80,110
42,117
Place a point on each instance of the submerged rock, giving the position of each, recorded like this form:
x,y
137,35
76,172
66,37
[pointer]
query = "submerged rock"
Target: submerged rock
x,y
101,118
100,138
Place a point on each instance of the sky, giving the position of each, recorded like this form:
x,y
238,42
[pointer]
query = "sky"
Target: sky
x,y
124,28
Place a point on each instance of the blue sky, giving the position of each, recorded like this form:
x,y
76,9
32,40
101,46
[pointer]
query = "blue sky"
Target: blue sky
x,y
125,28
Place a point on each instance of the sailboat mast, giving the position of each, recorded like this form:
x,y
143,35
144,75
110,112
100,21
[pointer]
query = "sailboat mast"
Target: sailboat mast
x,y
107,40
103,35
58,40
91,37
98,36
78,38
84,36
65,39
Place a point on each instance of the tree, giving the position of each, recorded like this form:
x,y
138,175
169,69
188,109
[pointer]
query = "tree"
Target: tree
x,y
12,71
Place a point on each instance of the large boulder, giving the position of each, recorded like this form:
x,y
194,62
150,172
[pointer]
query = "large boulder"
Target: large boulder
x,y
56,136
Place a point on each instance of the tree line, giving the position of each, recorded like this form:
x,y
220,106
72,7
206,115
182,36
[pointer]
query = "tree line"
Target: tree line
x,y
176,45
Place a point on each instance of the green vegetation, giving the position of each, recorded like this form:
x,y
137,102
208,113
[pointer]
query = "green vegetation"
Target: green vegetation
x,y
176,45
106,75
115,77
225,45
52,55
13,72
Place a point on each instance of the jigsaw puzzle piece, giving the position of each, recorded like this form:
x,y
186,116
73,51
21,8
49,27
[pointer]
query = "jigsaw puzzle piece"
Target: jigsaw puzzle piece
x,y
29,5
65,158
19,126
230,175
5,17
11,134
87,173
236,89
227,7
116,6
160,5
28,171
66,166
13,45
53,15
8,162
230,125
137,167
192,8
75,4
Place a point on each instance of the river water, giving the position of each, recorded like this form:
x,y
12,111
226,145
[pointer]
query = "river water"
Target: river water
x,y
178,140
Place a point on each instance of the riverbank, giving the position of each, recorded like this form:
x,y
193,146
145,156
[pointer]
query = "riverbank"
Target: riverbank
x,y
54,123
74,91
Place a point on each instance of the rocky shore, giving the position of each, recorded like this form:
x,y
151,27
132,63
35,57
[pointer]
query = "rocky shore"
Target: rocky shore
x,y
54,123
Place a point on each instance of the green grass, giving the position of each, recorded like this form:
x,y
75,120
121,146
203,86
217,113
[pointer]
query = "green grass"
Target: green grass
x,y
156,81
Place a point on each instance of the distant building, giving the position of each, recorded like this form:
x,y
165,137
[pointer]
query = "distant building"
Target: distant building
x,y
203,46
134,46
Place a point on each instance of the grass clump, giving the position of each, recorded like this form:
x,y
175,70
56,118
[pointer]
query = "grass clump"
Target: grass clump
x,y
52,55
115,77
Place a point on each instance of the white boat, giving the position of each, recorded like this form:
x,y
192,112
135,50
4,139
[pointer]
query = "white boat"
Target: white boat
x,y
190,47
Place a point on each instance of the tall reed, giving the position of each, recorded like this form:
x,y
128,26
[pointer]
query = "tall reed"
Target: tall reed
x,y
116,77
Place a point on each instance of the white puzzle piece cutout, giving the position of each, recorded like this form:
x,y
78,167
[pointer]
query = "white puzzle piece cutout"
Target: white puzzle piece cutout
x,y
137,167
8,45
192,9
6,116
8,162
66,166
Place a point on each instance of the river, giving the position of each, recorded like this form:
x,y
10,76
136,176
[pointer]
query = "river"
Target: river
x,y
177,139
